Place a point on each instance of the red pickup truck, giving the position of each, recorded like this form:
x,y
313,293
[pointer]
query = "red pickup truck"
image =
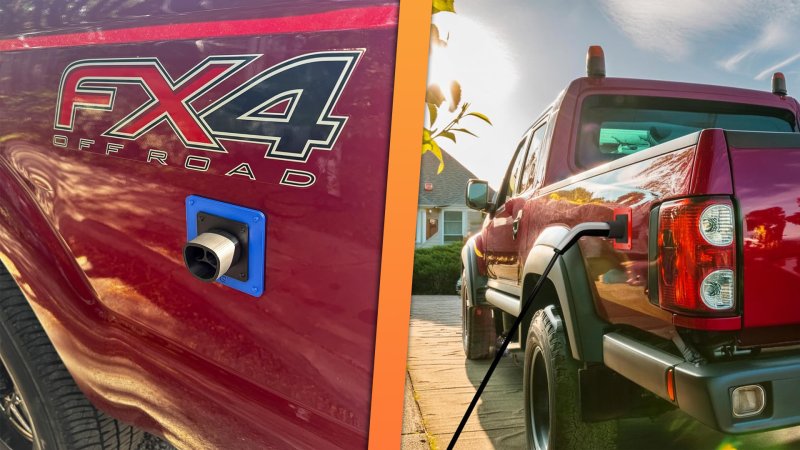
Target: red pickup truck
x,y
179,185
696,309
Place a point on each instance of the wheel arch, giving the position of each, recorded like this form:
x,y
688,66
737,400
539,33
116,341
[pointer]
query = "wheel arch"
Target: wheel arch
x,y
54,285
567,286
38,260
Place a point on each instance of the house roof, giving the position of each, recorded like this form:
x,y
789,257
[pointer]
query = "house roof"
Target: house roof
x,y
448,186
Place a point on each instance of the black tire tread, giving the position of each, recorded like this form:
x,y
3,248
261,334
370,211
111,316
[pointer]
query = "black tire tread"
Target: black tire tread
x,y
569,430
79,424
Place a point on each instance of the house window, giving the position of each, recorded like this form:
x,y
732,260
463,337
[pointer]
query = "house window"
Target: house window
x,y
453,228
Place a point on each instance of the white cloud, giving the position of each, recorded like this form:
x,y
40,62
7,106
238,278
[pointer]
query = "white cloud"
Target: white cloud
x,y
772,69
772,35
730,64
673,27
775,34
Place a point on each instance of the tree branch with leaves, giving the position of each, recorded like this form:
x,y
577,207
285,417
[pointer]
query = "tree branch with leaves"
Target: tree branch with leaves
x,y
435,99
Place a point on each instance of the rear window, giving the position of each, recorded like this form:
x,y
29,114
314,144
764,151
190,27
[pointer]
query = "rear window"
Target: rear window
x,y
613,126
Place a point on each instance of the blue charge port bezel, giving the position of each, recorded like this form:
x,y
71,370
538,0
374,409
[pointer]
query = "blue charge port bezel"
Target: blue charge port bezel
x,y
256,250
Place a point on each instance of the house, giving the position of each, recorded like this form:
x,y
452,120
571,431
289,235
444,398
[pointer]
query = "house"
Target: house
x,y
443,215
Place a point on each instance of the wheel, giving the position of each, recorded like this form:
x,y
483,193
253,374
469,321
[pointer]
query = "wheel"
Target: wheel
x,y
550,389
42,407
478,330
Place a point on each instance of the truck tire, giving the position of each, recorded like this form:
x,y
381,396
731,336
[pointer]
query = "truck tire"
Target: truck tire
x,y
478,330
550,389
41,407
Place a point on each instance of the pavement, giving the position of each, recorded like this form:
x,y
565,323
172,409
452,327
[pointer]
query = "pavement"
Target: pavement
x,y
413,437
441,383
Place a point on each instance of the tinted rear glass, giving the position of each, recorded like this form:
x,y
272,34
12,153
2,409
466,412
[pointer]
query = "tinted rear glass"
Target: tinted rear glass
x,y
613,126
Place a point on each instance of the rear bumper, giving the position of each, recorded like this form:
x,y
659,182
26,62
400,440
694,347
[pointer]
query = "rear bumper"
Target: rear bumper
x,y
704,392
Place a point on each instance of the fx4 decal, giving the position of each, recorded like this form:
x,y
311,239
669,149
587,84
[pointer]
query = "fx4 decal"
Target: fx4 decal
x,y
287,107
316,81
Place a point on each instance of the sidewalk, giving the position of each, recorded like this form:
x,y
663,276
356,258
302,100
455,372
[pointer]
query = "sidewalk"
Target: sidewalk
x,y
444,381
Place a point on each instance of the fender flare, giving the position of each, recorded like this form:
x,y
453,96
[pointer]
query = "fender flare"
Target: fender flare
x,y
472,280
570,290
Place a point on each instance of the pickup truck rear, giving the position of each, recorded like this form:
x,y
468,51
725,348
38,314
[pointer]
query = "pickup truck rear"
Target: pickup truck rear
x,y
695,309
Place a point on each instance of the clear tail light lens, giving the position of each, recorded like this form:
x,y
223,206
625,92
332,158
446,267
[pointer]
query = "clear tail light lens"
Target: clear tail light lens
x,y
716,225
697,256
717,290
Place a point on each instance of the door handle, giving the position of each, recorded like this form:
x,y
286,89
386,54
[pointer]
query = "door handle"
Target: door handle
x,y
515,225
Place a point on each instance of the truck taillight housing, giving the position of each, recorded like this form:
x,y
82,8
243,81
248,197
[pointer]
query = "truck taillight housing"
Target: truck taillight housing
x,y
697,256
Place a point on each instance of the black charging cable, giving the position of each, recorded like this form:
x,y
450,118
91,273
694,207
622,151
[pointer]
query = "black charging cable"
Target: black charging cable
x,y
617,229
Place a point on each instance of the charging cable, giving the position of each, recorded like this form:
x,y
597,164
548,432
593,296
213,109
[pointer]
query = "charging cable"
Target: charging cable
x,y
616,229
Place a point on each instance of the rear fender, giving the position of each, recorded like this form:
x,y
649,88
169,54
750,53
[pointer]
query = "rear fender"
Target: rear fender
x,y
35,256
568,287
54,285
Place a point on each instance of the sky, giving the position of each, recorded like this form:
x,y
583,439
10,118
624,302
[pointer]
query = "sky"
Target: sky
x,y
513,57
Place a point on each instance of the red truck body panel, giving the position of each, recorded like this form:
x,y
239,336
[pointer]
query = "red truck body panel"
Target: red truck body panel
x,y
637,187
94,240
766,181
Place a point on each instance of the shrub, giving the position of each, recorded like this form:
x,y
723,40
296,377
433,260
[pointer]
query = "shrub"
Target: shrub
x,y
436,269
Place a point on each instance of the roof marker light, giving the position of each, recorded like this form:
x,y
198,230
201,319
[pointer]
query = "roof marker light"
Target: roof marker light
x,y
595,62
778,83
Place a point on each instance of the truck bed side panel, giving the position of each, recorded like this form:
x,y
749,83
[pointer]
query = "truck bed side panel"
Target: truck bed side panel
x,y
619,277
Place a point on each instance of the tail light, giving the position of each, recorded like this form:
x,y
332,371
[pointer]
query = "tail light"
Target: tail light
x,y
697,256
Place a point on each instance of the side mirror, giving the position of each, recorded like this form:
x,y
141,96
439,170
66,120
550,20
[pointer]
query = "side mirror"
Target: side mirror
x,y
478,194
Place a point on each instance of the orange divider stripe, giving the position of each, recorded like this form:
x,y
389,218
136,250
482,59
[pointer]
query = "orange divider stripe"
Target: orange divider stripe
x,y
399,226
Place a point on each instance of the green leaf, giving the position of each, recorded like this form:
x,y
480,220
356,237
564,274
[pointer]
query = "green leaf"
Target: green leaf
x,y
426,141
443,6
433,112
464,130
480,116
437,151
448,135
455,95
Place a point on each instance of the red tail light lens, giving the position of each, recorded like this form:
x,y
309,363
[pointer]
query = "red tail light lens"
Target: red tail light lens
x,y
697,256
